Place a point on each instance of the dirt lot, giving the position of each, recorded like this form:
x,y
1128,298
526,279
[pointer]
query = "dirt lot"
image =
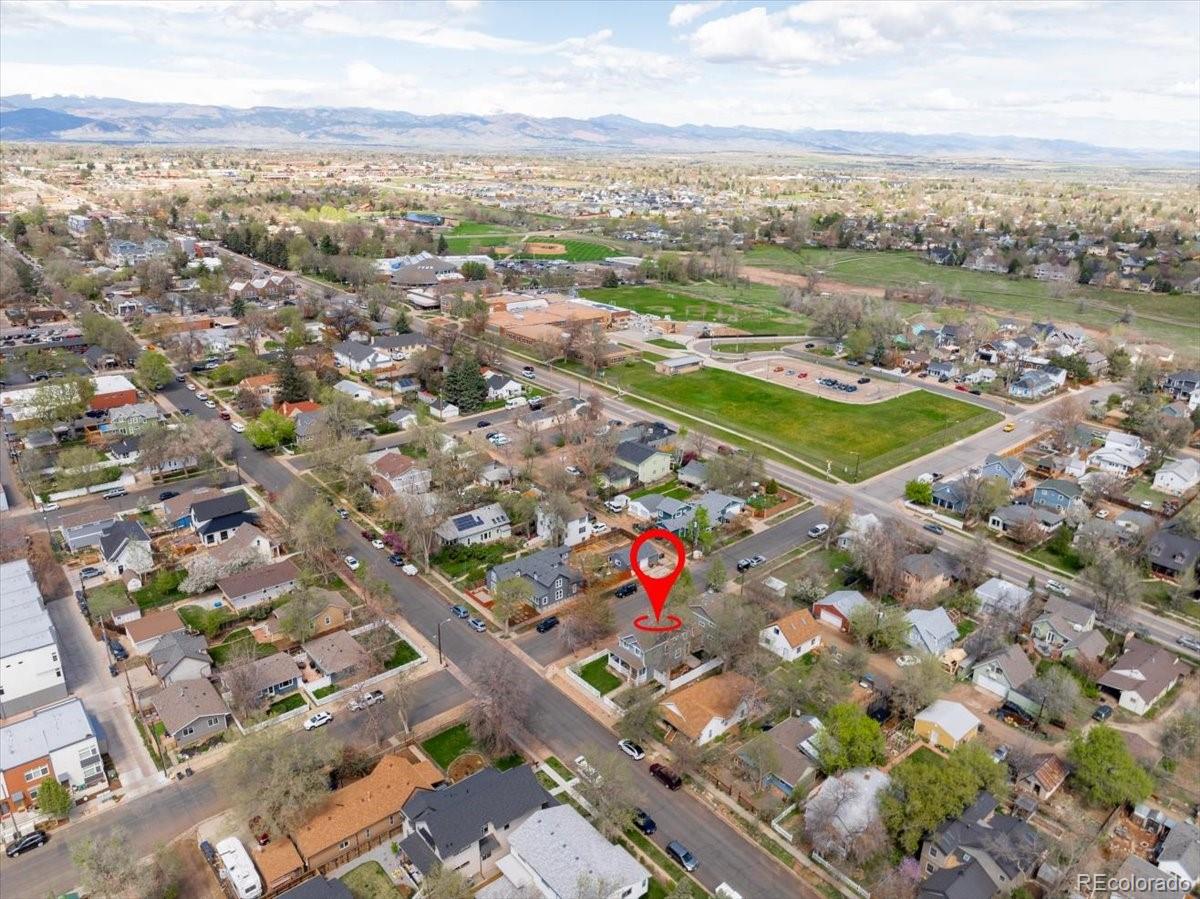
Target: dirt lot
x,y
757,275
875,392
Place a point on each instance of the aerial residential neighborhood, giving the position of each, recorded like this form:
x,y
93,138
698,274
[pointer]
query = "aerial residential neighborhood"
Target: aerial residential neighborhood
x,y
513,498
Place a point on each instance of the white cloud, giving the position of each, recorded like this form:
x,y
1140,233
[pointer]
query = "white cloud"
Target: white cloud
x,y
755,36
463,5
686,13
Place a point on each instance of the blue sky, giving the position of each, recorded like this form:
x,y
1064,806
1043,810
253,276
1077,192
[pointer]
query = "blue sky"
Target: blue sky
x,y
1113,73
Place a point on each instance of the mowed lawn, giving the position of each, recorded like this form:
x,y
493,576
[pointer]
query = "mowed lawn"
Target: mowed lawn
x,y
576,250
1022,296
754,309
871,437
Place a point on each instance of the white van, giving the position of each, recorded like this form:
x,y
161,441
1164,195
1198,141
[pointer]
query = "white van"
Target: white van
x,y
618,503
239,869
514,401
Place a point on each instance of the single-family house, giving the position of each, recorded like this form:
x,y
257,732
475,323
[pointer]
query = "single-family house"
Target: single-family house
x,y
647,464
1182,384
1178,854
338,656
125,546
482,525
946,724
1009,518
941,370
179,656
536,864
694,474
1172,553
951,496
1142,675
177,510
58,741
569,527
394,473
330,612
838,607
216,520
263,387
1009,469
364,813
256,585
925,575
1005,675
998,597
640,656
720,507
403,418
192,711
442,410
1057,494
359,358
466,827
1177,477
981,854
930,630
705,709
132,419
1121,454
359,392
1033,385
792,636
247,543
546,571
502,387
1060,622
858,527
271,677
145,632
796,755
83,529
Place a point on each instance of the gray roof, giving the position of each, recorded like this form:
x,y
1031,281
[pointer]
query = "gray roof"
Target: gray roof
x,y
969,881
318,888
1182,845
1073,612
1173,550
337,652
274,669
1016,666
930,565
998,595
27,624
1144,669
261,578
1011,843
307,422
43,732
695,470
178,705
120,534
133,410
562,849
476,521
1069,489
1014,514
1012,466
634,453
227,504
173,648
542,567
358,352
453,818
398,341
681,361
845,601
931,630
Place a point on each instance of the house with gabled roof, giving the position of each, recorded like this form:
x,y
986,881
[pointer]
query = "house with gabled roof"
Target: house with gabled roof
x,y
1060,622
1057,494
146,632
394,473
1006,674
837,608
1041,775
481,525
646,463
215,520
924,575
1177,477
946,724
359,358
191,711
1172,553
125,546
998,597
930,630
796,755
705,709
1143,675
257,585
1009,469
792,636
179,656
981,853
546,571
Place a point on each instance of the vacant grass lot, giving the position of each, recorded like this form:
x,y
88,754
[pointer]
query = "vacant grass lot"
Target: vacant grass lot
x,y
870,437
753,308
1022,296
667,344
473,229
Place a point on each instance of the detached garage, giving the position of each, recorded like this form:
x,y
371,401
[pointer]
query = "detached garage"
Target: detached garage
x,y
835,609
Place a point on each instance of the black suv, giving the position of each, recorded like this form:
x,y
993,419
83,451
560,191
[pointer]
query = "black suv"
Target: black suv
x,y
31,840
626,590
666,776
547,624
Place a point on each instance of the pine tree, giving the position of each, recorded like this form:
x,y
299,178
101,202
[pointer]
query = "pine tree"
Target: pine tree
x,y
292,386
238,307
442,245
402,324
465,386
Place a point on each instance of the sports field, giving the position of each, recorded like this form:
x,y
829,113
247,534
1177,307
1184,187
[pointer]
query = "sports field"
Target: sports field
x,y
870,438
575,250
478,237
1089,306
753,308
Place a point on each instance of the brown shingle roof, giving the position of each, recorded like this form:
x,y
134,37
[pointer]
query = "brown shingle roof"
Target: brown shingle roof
x,y
697,704
157,623
381,793
1157,667
393,465
277,860
798,627
259,578
336,652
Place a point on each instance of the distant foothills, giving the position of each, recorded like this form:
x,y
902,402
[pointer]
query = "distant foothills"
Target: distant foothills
x,y
107,120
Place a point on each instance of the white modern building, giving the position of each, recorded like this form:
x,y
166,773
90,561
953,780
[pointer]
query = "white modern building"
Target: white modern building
x,y
31,673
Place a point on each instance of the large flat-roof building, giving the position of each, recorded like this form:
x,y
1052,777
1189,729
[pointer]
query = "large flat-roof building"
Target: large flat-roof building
x,y
31,673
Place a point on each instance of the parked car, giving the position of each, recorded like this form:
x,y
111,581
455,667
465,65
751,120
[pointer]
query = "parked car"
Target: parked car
x,y
483,423
666,776
396,559
31,840
478,625
573,471
864,380
528,372
1102,712
378,544
867,682
1014,715
167,494
238,427
626,590
934,528
118,651
352,563
644,822
598,528
201,395
1001,753
632,749
210,854
817,530
260,833
460,612
409,569
1188,643
683,855
906,661
89,572
617,503
320,719
51,507
342,513
1053,586
115,493
224,416
180,379
211,404
744,565
547,624
114,671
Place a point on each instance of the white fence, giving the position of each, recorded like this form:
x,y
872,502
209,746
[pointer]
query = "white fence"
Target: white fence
x,y
588,688
842,878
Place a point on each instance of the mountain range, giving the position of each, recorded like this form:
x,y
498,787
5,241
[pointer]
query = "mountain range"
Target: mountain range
x,y
108,120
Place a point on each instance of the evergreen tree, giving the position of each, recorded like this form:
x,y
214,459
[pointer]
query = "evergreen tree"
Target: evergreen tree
x,y
465,386
442,245
292,386
402,324
238,308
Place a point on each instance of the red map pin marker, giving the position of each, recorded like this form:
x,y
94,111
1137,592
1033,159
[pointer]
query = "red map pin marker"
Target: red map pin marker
x,y
658,588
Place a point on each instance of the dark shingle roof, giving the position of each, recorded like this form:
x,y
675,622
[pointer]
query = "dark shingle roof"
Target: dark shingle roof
x,y
119,533
634,453
208,509
961,882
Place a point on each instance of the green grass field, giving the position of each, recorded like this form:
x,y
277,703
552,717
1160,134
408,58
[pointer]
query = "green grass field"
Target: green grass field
x,y
667,344
871,438
597,674
1021,296
472,229
445,747
753,308
757,346
576,250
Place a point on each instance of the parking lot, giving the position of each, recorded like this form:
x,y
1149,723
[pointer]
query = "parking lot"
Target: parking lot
x,y
805,376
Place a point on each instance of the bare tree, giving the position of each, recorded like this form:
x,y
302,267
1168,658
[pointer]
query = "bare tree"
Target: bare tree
x,y
590,618
837,516
1113,581
835,831
919,685
240,680
610,792
1061,419
417,518
509,597
501,705
277,777
878,553
443,883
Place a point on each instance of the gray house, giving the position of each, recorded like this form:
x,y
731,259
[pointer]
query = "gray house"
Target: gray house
x,y
949,495
546,571
1004,675
249,588
931,630
192,711
482,525
180,657
125,546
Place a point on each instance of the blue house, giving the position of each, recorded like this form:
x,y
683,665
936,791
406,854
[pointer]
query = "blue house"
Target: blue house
x,y
1010,469
950,496
1056,494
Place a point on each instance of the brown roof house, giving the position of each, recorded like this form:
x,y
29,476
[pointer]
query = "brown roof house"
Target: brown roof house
x,y
279,863
364,813
145,632
394,473
191,711
792,636
1042,775
1142,675
338,656
330,612
249,588
704,710
925,575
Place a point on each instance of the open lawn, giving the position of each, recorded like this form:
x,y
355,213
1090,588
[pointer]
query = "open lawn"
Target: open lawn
x,y
402,654
756,346
102,600
597,674
162,589
474,229
288,704
1100,308
445,747
369,881
857,440
667,344
754,308
479,243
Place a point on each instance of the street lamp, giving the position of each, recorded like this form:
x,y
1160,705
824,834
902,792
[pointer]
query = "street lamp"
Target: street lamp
x,y
441,660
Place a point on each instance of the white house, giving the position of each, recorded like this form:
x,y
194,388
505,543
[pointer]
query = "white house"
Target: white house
x,y
1121,454
31,673
482,525
502,387
998,597
126,547
576,529
359,358
537,864
705,709
1177,477
792,636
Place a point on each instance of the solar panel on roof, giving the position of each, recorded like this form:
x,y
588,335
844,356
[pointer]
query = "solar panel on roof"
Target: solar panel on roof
x,y
463,522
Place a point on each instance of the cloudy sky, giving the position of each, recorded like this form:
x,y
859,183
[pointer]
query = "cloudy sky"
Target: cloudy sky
x,y
1114,73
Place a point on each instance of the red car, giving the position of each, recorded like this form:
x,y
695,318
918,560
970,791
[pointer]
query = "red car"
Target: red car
x,y
962,387
225,416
